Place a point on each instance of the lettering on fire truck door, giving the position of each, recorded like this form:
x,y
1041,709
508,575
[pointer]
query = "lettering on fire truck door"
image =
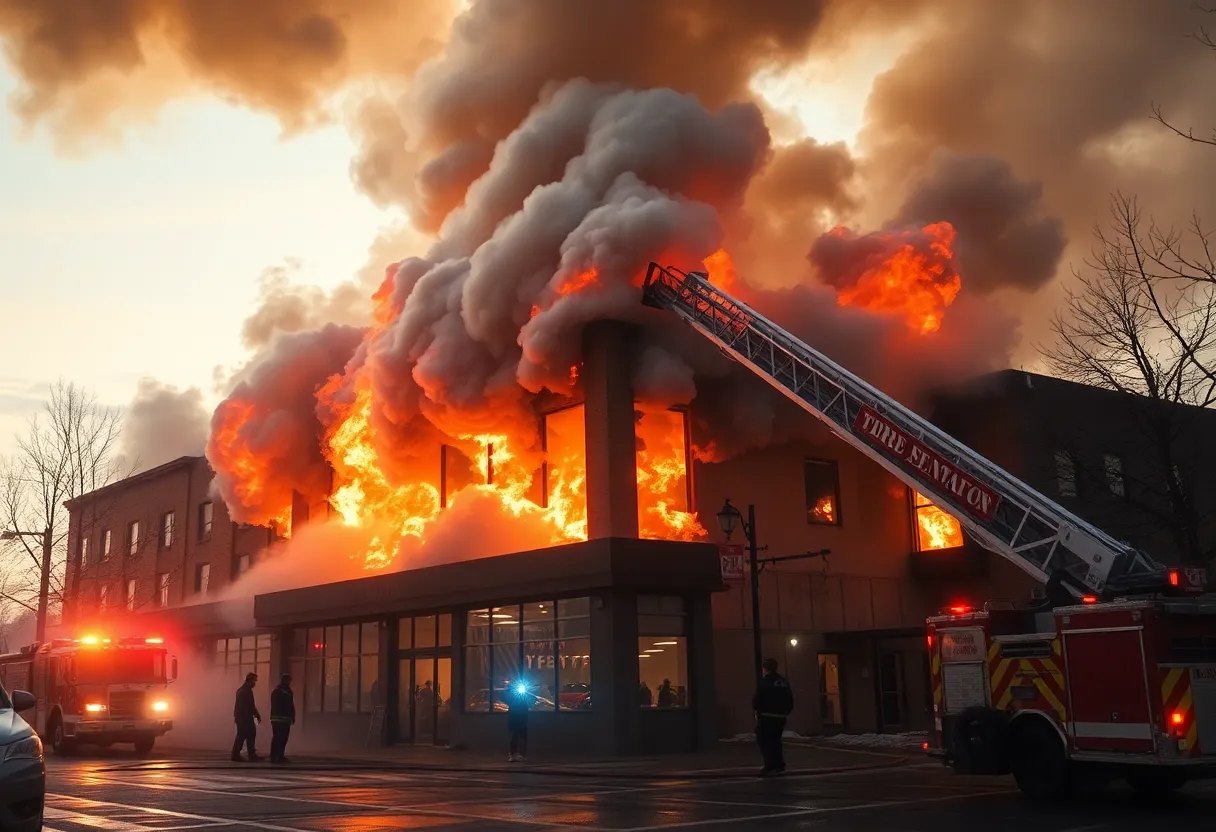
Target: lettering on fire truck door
x,y
1106,674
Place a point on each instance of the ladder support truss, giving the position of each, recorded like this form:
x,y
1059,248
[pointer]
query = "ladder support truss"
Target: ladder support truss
x,y
1001,512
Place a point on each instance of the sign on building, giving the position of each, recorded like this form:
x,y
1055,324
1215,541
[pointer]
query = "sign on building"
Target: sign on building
x,y
732,564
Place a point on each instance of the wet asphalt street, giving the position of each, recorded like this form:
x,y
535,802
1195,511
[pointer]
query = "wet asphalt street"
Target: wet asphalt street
x,y
130,796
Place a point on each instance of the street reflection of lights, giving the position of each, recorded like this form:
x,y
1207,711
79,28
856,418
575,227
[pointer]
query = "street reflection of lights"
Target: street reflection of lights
x,y
643,656
654,651
502,615
666,643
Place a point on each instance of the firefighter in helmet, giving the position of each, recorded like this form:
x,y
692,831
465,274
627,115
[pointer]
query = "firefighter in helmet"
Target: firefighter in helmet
x,y
282,717
773,702
245,714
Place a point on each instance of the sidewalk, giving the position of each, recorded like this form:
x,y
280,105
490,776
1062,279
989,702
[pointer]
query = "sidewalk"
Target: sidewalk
x,y
724,761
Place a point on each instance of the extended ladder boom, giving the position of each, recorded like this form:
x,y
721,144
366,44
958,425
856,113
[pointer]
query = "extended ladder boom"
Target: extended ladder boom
x,y
1000,511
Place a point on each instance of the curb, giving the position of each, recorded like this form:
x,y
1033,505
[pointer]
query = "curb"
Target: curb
x,y
550,771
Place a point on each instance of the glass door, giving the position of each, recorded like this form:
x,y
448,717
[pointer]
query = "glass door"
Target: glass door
x,y
443,700
424,700
405,700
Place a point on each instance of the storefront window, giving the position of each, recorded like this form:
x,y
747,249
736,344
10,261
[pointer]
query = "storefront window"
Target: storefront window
x,y
545,644
662,652
248,654
341,667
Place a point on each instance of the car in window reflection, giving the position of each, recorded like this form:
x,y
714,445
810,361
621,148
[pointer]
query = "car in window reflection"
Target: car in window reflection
x,y
573,696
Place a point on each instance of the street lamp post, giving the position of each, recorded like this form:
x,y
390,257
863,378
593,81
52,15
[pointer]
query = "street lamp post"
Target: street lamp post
x,y
44,584
729,519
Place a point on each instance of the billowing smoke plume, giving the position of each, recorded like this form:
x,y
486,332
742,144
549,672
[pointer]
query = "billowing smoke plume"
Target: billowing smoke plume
x,y
163,423
263,442
84,65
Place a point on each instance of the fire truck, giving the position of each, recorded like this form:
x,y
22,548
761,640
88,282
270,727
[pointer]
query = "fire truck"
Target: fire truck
x,y
1108,671
95,690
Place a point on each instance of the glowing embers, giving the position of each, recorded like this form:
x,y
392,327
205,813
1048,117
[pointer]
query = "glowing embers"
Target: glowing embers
x,y
935,529
662,473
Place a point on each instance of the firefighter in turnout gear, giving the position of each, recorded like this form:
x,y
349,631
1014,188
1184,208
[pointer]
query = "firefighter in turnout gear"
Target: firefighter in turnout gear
x,y
282,717
773,702
245,715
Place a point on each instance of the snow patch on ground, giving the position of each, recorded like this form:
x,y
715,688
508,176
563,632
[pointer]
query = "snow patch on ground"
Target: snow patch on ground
x,y
751,737
908,740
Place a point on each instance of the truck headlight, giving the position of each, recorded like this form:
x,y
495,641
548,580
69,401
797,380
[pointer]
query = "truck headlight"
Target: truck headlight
x,y
160,707
29,748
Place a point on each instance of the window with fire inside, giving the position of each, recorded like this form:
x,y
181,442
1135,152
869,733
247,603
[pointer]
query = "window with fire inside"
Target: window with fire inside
x,y
542,648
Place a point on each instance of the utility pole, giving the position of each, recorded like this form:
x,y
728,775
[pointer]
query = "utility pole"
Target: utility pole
x,y
44,581
749,529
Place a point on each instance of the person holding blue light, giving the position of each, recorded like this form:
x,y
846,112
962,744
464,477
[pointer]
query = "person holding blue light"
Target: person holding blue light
x,y
519,702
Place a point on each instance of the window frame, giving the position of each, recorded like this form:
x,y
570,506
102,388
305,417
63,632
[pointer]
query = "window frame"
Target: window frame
x,y
314,656
84,550
205,526
202,578
107,541
168,530
134,529
666,617
131,593
1066,473
834,466
823,695
1114,475
521,643
164,585
914,516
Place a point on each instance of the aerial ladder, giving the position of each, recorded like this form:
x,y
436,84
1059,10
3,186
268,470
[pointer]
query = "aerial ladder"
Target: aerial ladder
x,y
999,511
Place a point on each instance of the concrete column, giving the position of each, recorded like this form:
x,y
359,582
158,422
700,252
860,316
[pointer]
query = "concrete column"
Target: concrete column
x,y
612,490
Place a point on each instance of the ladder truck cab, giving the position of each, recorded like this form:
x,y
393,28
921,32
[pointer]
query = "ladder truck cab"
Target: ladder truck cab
x,y
1114,670
95,690
1124,688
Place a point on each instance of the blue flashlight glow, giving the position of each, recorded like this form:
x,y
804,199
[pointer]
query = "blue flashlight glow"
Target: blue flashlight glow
x,y
521,689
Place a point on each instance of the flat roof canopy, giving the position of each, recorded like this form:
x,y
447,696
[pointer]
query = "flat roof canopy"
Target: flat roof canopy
x,y
659,566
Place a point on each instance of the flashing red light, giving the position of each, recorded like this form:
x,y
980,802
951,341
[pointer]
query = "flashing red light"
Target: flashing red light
x,y
1089,599
1177,718
924,746
154,641
960,609
1174,579
930,641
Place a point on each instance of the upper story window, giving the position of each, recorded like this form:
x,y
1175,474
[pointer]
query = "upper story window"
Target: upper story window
x,y
934,528
84,551
162,589
1066,474
106,538
202,578
1113,466
206,514
103,596
240,565
133,538
167,522
131,594
822,479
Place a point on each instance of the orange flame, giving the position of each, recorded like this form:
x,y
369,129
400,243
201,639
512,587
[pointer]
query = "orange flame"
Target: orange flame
x,y
721,270
917,284
824,510
936,529
662,473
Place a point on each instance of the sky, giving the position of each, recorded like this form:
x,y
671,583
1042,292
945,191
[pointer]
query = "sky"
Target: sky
x,y
109,260
142,257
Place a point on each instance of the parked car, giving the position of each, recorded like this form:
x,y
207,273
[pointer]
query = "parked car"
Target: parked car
x,y
22,766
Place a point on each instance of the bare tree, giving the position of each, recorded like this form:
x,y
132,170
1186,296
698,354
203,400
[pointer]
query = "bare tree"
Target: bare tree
x,y
70,449
1208,40
1141,320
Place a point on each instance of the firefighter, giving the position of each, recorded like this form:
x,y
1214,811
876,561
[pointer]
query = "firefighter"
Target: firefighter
x,y
282,717
245,715
519,702
773,702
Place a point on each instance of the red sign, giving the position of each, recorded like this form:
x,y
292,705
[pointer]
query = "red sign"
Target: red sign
x,y
732,564
979,499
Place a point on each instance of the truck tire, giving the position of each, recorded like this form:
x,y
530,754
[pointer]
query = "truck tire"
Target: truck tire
x,y
60,744
144,744
1156,783
1038,761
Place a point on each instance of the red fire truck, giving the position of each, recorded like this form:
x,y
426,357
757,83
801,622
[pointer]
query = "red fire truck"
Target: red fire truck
x,y
1112,673
95,690
1124,688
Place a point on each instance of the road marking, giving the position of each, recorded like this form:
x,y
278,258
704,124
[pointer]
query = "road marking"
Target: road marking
x,y
100,823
